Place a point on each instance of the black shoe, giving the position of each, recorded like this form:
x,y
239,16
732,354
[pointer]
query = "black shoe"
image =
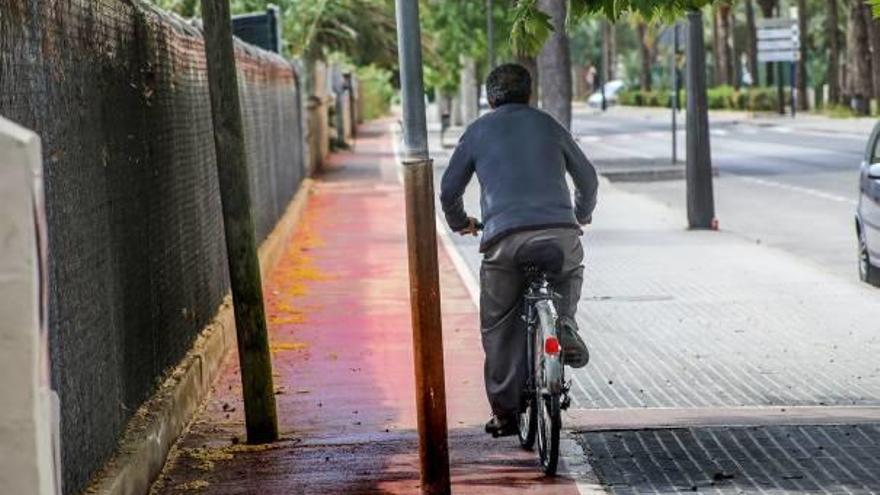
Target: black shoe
x,y
502,426
574,350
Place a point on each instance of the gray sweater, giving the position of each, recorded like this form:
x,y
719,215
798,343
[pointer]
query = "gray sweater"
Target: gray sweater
x,y
520,155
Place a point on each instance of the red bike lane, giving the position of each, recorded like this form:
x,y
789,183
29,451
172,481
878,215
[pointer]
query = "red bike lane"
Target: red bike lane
x,y
339,320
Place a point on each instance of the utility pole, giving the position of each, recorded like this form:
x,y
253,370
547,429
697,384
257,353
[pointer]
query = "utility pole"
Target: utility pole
x,y
244,267
424,279
700,201
490,34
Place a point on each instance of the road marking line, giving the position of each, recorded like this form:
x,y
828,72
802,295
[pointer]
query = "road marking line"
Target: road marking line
x,y
625,151
461,266
800,189
719,132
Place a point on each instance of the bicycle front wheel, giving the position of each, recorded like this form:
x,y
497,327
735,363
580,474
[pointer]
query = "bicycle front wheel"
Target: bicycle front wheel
x,y
549,424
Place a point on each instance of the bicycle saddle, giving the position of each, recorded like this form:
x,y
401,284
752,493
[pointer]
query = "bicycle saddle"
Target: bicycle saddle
x,y
544,255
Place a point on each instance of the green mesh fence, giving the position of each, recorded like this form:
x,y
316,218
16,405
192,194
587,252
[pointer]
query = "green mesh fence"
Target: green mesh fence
x,y
118,92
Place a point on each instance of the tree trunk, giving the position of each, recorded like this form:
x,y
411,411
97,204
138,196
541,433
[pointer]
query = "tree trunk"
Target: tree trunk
x,y
716,48
833,40
767,9
609,51
468,90
751,42
874,43
802,63
724,61
554,65
861,84
531,64
645,54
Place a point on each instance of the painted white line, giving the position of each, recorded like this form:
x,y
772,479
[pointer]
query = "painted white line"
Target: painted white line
x,y
624,151
464,272
798,189
719,132
782,129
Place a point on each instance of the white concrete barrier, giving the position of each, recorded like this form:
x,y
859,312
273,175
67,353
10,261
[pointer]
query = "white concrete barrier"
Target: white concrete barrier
x,y
28,408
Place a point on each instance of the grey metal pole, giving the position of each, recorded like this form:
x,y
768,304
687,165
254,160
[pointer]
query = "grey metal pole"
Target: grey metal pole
x,y
700,201
490,34
674,102
423,269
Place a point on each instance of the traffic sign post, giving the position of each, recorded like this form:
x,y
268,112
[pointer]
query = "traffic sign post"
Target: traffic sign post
x,y
779,42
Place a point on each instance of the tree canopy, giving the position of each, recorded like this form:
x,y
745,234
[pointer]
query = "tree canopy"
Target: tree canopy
x,y
531,27
362,29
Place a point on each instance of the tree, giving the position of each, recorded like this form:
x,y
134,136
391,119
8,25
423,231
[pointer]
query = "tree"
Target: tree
x,y
646,54
554,65
722,34
751,42
833,75
860,85
802,63
874,44
609,51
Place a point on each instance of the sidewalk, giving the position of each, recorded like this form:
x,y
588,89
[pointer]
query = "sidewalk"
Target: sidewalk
x,y
342,353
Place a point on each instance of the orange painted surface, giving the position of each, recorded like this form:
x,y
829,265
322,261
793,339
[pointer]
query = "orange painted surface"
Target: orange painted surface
x,y
338,313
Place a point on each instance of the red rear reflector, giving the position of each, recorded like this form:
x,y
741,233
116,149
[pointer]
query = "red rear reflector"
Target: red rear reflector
x,y
551,345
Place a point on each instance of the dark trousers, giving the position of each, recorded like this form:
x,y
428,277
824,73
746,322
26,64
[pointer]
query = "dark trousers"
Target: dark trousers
x,y
503,332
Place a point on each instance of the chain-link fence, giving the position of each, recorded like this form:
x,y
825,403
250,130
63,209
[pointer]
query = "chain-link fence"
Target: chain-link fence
x,y
118,92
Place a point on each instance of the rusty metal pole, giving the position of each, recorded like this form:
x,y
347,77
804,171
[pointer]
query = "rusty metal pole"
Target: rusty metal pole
x,y
422,245
244,267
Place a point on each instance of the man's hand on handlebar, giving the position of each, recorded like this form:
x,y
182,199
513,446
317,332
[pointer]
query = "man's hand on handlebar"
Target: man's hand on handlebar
x,y
473,227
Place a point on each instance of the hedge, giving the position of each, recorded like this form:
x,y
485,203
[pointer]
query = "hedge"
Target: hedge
x,y
718,98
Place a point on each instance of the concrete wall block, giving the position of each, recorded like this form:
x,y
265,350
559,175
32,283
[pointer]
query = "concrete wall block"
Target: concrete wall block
x,y
26,451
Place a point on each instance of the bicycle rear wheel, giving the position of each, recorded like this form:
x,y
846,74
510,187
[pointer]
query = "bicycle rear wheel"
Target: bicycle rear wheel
x,y
549,424
528,426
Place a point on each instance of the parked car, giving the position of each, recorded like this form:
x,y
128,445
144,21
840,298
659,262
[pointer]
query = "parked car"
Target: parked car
x,y
868,212
612,89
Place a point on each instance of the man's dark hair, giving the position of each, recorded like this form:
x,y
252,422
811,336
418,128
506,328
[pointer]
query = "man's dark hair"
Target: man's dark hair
x,y
508,83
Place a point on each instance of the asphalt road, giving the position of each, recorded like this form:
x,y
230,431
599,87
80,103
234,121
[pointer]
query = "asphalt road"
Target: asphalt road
x,y
778,184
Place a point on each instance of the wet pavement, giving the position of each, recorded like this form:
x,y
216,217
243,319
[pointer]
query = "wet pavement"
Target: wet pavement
x,y
719,363
340,336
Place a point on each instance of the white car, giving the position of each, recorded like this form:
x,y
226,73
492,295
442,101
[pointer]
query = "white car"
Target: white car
x,y
612,89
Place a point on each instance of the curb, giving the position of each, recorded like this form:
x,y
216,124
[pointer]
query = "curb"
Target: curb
x,y
155,427
653,174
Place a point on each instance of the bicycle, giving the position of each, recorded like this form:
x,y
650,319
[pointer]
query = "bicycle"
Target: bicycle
x,y
546,389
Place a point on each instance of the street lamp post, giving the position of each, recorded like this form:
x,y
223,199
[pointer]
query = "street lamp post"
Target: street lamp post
x,y
423,270
700,201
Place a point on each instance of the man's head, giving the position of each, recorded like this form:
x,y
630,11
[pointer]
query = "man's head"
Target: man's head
x,y
508,83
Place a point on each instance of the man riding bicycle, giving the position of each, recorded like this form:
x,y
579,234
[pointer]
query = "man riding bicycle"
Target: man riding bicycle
x,y
521,156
